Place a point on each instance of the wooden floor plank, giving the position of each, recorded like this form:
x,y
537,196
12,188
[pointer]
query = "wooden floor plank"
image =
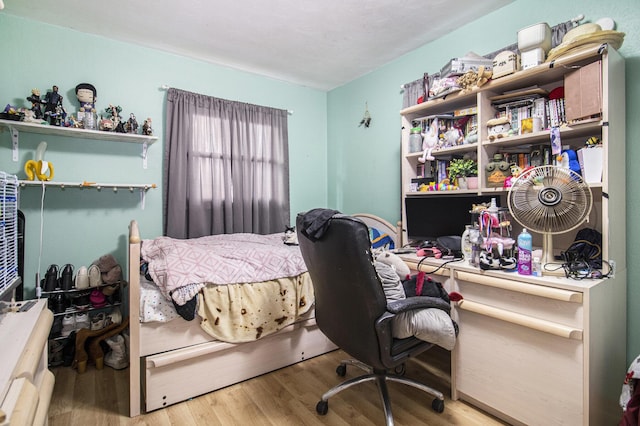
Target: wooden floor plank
x,y
284,397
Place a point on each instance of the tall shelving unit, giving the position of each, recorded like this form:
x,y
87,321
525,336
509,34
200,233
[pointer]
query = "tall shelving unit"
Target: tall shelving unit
x,y
540,350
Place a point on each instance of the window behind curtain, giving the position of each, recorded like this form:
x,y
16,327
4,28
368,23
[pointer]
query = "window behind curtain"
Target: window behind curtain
x,y
227,167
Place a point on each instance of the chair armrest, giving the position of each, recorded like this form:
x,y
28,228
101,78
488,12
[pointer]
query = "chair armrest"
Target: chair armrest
x,y
417,302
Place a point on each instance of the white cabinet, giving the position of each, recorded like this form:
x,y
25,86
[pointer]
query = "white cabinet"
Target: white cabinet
x,y
548,350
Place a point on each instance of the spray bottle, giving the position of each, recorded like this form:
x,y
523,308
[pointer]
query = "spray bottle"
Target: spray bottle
x,y
525,245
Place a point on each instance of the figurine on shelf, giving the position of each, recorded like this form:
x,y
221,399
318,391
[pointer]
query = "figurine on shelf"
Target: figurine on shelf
x,y
36,103
53,107
146,127
132,124
118,126
86,94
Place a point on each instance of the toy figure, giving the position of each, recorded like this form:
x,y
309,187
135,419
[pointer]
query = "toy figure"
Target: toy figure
x,y
115,117
132,124
146,127
86,94
36,103
53,106
429,142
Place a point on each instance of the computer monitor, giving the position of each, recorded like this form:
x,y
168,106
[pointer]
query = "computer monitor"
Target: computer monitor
x,y
430,217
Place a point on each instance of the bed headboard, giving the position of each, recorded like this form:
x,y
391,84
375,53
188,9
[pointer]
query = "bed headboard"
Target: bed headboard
x,y
381,225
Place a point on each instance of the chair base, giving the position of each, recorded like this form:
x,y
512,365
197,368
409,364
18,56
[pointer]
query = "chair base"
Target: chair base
x,y
381,378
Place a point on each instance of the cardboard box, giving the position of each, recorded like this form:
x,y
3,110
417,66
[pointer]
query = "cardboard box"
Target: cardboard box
x,y
591,160
583,92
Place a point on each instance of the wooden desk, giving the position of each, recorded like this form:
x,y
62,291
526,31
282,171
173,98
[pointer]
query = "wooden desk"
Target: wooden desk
x,y
537,350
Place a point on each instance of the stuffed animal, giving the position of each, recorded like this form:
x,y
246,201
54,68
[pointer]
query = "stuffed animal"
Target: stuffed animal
x,y
569,160
499,128
394,262
429,141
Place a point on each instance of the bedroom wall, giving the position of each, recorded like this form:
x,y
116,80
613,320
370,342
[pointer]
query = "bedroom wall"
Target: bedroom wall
x,y
364,165
81,225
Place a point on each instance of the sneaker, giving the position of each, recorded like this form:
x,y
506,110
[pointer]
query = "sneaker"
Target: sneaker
x,y
98,321
82,321
95,278
68,325
115,317
82,278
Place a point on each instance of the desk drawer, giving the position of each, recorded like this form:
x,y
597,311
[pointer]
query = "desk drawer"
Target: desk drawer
x,y
499,297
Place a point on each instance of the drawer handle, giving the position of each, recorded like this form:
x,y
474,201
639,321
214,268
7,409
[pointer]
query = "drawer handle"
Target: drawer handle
x,y
520,287
523,320
444,272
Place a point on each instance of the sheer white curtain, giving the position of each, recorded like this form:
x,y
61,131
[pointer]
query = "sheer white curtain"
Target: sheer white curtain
x,y
226,167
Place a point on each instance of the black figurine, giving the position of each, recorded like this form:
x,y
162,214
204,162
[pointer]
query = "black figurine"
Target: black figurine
x,y
132,124
53,110
36,103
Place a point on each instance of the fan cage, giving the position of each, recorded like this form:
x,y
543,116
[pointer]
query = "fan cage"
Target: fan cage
x,y
550,200
8,232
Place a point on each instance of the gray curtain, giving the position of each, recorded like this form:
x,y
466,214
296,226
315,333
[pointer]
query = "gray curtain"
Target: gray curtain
x,y
226,167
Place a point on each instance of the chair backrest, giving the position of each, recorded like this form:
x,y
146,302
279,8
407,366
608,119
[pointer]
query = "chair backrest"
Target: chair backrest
x,y
349,296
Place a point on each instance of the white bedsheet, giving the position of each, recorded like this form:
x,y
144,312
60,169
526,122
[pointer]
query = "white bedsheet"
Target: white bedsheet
x,y
153,305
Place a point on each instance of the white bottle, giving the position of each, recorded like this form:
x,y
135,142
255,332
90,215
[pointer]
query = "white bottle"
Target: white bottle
x,y
466,245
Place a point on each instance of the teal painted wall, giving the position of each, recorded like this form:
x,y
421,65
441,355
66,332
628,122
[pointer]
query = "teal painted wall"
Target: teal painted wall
x,y
81,225
334,162
364,166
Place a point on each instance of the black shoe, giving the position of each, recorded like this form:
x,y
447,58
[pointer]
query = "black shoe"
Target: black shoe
x,y
69,350
66,277
51,278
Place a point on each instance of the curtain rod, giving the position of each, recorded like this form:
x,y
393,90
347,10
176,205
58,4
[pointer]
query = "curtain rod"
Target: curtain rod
x,y
165,87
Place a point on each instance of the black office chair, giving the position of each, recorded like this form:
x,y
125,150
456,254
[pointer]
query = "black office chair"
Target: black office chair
x,y
351,308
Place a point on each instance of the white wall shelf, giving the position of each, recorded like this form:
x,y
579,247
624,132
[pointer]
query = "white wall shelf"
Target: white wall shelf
x,y
15,127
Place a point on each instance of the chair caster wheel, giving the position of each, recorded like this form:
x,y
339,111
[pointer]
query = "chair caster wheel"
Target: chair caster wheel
x,y
437,405
322,407
341,370
401,369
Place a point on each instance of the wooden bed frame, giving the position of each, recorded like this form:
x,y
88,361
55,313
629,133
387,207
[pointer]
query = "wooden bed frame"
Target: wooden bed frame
x,y
172,362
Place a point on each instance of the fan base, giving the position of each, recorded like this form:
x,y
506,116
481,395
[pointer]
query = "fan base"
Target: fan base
x,y
554,270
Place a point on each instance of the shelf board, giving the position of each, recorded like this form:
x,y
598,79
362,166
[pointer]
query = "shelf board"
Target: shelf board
x,y
575,130
70,132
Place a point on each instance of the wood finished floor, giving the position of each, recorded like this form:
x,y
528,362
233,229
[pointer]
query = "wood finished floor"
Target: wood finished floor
x,y
285,397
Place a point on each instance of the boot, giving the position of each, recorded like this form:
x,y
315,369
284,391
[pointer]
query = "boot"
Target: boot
x,y
117,358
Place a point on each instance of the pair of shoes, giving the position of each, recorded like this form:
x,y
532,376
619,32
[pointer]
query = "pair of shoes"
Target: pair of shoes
x,y
95,277
117,357
98,321
82,278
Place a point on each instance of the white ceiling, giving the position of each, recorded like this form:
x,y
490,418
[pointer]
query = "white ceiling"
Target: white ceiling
x,y
321,44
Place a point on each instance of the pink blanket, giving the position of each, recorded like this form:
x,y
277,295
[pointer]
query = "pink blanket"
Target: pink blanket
x,y
176,264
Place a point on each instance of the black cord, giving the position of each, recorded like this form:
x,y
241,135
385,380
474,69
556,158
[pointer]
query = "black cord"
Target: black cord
x,y
439,267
